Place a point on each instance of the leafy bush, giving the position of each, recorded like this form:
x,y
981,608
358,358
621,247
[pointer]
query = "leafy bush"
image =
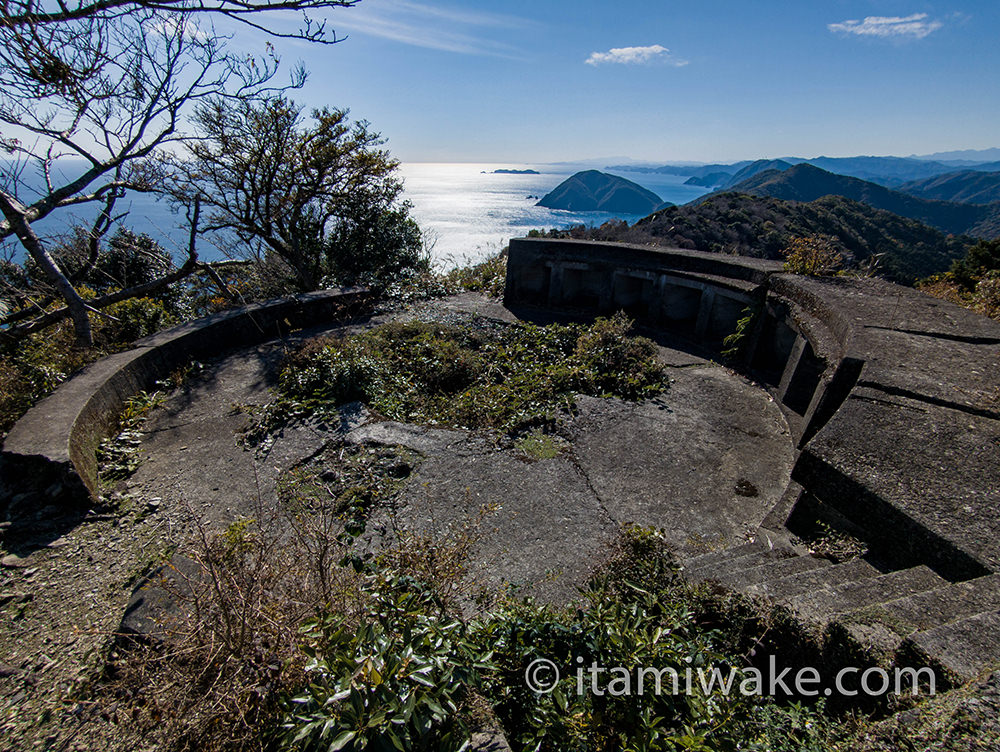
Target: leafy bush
x,y
488,276
617,365
134,319
507,379
979,261
406,678
32,368
814,256
635,614
973,281
376,245
398,681
631,632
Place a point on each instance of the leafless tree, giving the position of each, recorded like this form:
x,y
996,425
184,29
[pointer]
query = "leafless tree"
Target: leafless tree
x,y
109,85
29,13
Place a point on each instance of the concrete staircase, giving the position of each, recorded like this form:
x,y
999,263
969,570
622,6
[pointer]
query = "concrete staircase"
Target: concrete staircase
x,y
910,616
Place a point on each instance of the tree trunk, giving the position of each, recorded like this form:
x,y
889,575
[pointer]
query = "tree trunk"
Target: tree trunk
x,y
14,215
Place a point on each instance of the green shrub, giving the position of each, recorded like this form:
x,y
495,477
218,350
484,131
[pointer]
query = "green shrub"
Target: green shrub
x,y
34,367
618,365
510,378
407,677
398,681
636,613
488,276
133,319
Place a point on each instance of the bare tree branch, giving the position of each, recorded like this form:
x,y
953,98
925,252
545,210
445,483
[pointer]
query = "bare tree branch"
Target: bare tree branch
x,y
25,13
112,82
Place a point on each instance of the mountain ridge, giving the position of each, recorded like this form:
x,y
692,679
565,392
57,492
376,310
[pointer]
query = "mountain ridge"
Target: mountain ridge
x,y
805,182
761,226
964,187
887,171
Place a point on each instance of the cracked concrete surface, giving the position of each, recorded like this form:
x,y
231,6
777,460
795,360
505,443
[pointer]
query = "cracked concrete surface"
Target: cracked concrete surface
x,y
673,463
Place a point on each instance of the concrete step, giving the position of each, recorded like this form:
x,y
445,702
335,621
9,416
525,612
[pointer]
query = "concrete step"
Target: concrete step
x,y
966,647
883,628
742,578
782,589
953,601
826,602
726,554
723,568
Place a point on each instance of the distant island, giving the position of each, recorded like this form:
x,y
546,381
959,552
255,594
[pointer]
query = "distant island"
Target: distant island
x,y
591,190
512,172
891,172
711,180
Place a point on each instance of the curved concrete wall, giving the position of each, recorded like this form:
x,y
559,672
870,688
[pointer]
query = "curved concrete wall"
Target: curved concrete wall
x,y
49,454
893,396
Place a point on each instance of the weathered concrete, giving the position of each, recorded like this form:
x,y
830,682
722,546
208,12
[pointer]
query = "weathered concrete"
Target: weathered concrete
x,y
642,463
55,441
892,396
706,463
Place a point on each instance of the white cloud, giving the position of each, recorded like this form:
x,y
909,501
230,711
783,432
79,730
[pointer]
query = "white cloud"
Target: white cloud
x,y
916,26
432,27
635,56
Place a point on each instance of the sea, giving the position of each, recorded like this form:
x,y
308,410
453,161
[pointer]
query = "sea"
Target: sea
x,y
467,211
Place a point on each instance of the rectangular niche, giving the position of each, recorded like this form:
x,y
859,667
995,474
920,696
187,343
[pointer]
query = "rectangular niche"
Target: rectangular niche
x,y
803,383
773,348
726,313
632,294
583,288
533,283
679,305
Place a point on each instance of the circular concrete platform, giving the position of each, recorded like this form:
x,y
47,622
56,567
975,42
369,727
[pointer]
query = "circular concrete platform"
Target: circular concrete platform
x,y
705,461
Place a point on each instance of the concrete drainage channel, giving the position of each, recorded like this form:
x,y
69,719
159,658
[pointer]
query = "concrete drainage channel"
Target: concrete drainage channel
x,y
891,398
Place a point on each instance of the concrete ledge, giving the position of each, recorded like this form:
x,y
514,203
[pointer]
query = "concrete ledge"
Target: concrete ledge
x,y
893,395
50,451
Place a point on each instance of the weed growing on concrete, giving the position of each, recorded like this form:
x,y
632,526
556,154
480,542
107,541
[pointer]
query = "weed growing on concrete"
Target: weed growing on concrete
x,y
541,446
512,379
735,345
118,457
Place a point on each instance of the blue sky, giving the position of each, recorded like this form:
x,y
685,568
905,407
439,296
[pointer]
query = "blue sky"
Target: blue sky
x,y
709,80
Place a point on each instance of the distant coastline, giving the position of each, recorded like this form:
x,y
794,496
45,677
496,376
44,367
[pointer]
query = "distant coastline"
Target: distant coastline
x,y
512,172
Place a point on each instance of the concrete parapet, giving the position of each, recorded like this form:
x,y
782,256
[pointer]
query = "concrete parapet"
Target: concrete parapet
x,y
893,396
50,451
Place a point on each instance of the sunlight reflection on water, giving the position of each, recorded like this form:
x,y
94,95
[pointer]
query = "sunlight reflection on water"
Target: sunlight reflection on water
x,y
470,212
